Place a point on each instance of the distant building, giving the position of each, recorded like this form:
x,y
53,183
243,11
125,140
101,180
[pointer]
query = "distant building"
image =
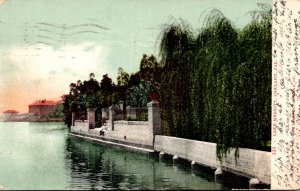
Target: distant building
x,y
9,114
42,107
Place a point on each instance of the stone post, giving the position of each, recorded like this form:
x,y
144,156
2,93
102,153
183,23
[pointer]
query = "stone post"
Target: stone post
x,y
121,105
104,113
111,114
193,164
218,174
91,117
161,155
253,183
73,119
154,120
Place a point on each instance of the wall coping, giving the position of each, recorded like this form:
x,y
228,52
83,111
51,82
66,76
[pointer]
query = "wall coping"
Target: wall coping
x,y
211,143
123,122
80,121
183,139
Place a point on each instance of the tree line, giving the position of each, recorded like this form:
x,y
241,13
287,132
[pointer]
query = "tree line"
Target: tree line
x,y
130,89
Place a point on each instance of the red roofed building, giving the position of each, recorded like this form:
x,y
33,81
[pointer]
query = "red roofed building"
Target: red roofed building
x,y
9,114
42,107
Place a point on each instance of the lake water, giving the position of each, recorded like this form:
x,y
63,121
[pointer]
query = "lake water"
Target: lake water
x,y
43,156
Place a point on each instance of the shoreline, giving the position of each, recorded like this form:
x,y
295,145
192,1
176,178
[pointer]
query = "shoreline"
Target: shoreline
x,y
195,154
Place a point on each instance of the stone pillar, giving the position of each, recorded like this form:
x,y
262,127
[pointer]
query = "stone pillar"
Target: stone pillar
x,y
104,113
91,117
121,104
111,114
73,119
154,120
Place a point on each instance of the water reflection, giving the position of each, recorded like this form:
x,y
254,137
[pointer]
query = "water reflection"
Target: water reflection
x,y
43,156
99,167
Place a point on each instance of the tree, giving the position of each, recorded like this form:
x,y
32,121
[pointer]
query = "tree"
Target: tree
x,y
215,62
176,52
57,112
139,95
122,78
67,111
216,86
255,42
150,69
82,95
122,89
146,80
106,91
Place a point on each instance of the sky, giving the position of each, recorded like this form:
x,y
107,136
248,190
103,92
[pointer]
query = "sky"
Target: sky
x,y
47,44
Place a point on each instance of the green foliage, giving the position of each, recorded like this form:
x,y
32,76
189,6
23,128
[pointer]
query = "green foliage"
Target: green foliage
x,y
214,66
139,95
133,89
177,47
67,110
150,69
216,86
143,116
147,79
106,91
82,95
122,78
57,112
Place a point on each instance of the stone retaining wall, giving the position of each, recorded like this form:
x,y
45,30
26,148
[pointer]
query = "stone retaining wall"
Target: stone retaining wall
x,y
251,163
147,134
137,132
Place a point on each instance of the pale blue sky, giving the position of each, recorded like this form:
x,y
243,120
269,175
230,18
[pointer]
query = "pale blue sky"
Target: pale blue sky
x,y
47,44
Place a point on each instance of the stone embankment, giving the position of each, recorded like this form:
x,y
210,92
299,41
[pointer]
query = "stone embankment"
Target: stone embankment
x,y
145,136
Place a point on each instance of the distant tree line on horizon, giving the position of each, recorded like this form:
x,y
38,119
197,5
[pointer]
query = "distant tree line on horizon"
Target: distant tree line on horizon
x,y
214,85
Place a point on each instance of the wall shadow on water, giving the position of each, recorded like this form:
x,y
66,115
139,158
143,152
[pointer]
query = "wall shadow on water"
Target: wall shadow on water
x,y
94,166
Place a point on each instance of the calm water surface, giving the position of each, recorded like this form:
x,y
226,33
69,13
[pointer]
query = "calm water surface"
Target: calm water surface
x,y
43,156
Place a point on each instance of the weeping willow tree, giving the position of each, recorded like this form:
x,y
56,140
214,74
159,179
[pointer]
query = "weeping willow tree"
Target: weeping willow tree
x,y
216,86
252,81
176,51
214,64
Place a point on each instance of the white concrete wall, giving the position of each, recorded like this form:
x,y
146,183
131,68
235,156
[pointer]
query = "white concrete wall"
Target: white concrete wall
x,y
80,127
137,132
202,152
80,123
251,163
